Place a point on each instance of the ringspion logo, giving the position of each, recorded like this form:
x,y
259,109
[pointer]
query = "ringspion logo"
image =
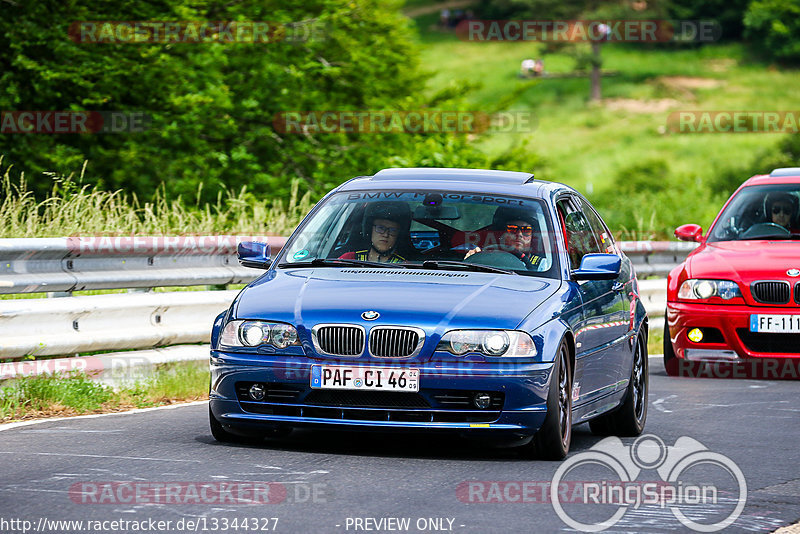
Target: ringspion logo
x,y
704,490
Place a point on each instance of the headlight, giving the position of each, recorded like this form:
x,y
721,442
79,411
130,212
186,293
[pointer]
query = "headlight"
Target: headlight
x,y
255,333
488,342
694,289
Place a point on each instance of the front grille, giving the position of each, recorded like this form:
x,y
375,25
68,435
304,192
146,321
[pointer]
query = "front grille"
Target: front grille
x,y
776,292
395,342
797,293
340,340
367,399
769,342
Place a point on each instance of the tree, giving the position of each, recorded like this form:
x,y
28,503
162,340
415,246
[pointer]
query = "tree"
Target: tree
x,y
212,105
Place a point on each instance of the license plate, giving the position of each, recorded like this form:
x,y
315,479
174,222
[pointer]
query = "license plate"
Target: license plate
x,y
779,324
367,378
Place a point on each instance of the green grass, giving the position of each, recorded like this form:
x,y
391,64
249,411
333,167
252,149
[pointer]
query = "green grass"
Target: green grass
x,y
76,209
587,145
76,393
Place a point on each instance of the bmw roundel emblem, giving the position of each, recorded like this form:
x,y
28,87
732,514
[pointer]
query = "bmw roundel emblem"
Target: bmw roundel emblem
x,y
370,315
793,272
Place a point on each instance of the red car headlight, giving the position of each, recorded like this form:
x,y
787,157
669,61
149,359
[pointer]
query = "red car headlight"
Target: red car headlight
x,y
702,289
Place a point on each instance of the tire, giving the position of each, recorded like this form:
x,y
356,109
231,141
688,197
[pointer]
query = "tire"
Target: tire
x,y
552,440
630,417
670,360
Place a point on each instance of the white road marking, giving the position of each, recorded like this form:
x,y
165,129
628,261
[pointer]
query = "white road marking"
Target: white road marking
x,y
658,404
75,455
9,426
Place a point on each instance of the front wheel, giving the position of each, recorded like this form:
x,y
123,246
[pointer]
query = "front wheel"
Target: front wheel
x,y
629,418
670,359
552,440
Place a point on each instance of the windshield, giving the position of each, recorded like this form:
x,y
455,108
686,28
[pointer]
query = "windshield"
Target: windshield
x,y
426,229
760,212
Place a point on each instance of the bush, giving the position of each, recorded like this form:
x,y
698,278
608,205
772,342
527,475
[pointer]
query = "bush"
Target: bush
x,y
634,204
774,28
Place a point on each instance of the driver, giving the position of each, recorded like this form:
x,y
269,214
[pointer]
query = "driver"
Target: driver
x,y
386,225
517,226
781,209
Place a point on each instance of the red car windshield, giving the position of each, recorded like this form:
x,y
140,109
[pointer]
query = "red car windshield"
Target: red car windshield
x,y
760,212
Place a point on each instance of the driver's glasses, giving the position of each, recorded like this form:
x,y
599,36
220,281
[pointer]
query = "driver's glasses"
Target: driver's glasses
x,y
525,231
781,208
383,230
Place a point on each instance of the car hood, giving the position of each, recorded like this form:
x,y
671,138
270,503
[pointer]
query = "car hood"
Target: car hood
x,y
747,261
433,300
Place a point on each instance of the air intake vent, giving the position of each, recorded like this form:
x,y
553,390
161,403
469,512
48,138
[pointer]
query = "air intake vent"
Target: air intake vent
x,y
339,340
405,272
395,341
777,292
797,293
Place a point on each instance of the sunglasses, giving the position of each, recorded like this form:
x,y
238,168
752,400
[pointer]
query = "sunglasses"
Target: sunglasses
x,y
526,231
786,210
383,230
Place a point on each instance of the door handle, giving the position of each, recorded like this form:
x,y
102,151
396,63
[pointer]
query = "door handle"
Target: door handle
x,y
617,286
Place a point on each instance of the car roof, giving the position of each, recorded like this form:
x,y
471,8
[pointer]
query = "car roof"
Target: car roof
x,y
468,180
784,175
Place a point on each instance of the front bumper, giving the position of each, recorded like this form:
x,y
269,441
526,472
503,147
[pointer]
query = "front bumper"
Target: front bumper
x,y
518,390
734,340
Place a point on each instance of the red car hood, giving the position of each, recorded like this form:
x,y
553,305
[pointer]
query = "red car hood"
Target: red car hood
x,y
745,261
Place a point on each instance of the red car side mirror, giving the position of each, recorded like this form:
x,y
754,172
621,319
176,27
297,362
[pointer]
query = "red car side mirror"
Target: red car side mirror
x,y
689,232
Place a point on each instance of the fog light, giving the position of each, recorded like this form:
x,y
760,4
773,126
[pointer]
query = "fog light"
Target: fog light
x,y
695,334
482,400
257,392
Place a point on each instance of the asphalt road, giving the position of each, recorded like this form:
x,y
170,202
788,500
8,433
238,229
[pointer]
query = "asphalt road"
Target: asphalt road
x,y
91,469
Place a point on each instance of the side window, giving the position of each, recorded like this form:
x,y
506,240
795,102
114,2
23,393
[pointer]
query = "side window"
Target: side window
x,y
603,237
580,238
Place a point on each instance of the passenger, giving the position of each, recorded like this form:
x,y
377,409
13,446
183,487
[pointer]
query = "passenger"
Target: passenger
x,y
517,226
386,225
781,209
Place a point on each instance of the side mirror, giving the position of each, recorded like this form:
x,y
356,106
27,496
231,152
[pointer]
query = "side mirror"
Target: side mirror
x,y
689,232
598,267
254,254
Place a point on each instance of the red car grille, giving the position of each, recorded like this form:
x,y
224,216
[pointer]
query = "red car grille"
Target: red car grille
x,y
769,343
797,293
771,292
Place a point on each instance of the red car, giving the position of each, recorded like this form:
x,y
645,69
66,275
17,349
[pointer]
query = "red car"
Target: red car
x,y
736,298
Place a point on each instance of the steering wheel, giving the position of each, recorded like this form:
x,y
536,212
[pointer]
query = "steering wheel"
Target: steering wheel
x,y
765,229
495,256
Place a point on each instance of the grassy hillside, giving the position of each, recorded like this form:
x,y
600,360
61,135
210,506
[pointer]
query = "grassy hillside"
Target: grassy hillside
x,y
596,147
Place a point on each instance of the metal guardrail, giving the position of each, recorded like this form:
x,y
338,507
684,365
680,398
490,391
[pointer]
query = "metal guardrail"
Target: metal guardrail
x,y
67,264
69,325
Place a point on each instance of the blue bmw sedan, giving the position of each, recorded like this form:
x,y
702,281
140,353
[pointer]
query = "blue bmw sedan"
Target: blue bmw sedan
x,y
484,303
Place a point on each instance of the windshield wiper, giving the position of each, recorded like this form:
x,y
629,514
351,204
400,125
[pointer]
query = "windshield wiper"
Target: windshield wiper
x,y
339,262
477,267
